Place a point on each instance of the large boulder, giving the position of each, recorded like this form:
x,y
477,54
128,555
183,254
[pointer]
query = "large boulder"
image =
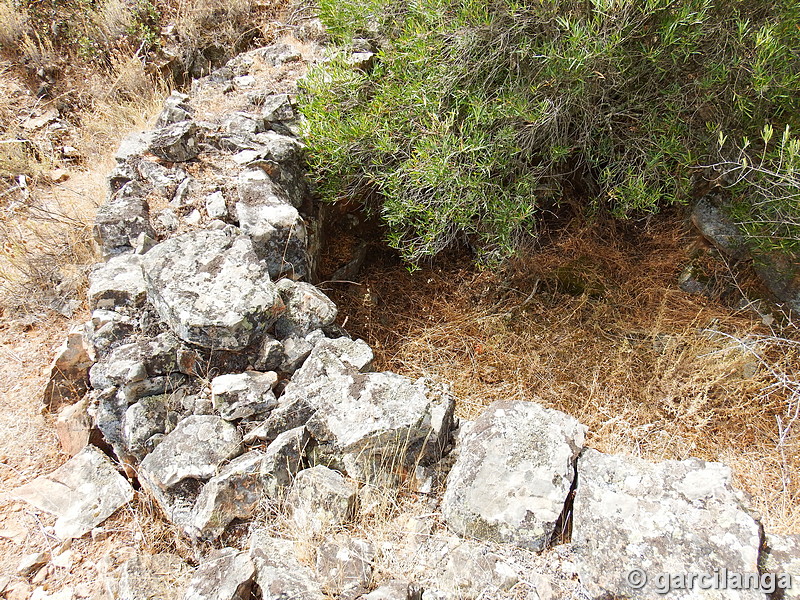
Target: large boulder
x,y
514,471
634,522
212,289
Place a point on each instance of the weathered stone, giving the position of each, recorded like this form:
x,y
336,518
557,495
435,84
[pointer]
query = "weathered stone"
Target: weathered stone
x,y
74,427
142,421
176,109
711,216
150,576
133,145
469,570
671,517
276,228
345,566
513,474
277,107
69,371
295,352
82,493
163,180
120,220
278,572
233,494
270,355
394,590
194,449
244,395
225,574
307,309
176,142
119,282
141,360
185,193
321,498
780,273
211,289
782,557
30,563
243,123
216,207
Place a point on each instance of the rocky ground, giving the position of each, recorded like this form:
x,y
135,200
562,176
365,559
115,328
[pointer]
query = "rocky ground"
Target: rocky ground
x,y
230,440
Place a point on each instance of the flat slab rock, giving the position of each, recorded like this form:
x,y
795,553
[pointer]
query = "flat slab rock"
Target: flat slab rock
x,y
513,473
82,493
211,288
675,517
194,449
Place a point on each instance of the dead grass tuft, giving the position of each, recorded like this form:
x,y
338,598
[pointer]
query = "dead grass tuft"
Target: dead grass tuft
x,y
593,324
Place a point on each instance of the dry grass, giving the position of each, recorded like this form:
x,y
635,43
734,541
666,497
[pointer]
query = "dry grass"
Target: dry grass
x,y
651,370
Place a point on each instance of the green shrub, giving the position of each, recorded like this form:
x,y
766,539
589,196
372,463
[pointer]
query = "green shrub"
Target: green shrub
x,y
480,115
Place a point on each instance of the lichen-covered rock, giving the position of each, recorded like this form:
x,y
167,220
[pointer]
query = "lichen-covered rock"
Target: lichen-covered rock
x,y
513,474
278,572
671,517
712,218
216,206
246,481
69,371
275,226
244,395
321,498
345,566
121,220
138,361
143,420
133,145
118,282
225,574
307,309
146,576
196,448
212,289
176,109
82,493
277,107
781,558
176,142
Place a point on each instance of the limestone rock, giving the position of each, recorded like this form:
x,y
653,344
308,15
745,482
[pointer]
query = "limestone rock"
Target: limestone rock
x,y
82,493
176,109
242,485
225,574
211,289
143,420
216,207
74,427
513,474
148,576
133,145
139,361
278,572
394,590
69,371
119,282
669,517
345,566
234,493
307,309
782,556
176,142
244,395
712,218
470,570
321,498
275,226
194,449
121,220
277,107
